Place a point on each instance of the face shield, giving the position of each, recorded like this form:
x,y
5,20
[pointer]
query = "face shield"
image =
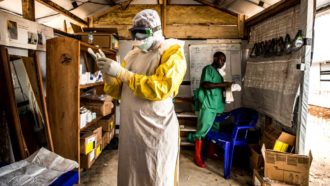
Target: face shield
x,y
142,33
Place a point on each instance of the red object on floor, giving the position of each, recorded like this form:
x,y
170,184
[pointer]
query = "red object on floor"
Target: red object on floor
x,y
198,150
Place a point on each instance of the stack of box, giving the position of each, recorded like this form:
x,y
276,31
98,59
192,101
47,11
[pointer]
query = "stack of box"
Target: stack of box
x,y
90,146
101,104
282,167
108,129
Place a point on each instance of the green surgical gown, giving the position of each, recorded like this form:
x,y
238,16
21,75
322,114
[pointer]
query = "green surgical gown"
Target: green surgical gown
x,y
209,103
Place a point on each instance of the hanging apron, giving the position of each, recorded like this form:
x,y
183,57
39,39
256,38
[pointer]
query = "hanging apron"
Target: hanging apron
x,y
149,132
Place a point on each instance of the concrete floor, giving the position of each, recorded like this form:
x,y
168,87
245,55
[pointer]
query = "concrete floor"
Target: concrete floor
x,y
104,172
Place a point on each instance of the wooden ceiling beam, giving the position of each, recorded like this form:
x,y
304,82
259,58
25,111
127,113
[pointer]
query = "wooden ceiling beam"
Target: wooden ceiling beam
x,y
28,9
271,11
205,2
61,10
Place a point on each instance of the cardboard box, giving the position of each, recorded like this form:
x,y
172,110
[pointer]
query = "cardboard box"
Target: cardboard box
x,y
87,160
285,142
88,142
270,135
92,130
97,131
107,123
287,167
101,108
112,133
105,139
256,160
104,40
98,151
259,180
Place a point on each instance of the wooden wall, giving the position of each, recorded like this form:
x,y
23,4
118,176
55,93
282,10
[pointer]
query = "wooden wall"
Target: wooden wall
x,y
184,22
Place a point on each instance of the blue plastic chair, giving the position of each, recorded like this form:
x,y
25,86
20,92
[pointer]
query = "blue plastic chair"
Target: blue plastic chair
x,y
243,120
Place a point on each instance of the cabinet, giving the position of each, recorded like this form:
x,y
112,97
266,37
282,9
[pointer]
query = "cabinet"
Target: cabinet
x,y
63,92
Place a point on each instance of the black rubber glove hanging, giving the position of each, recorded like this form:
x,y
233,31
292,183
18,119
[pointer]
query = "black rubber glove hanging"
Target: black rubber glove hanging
x,y
298,41
258,49
253,51
262,48
280,46
288,44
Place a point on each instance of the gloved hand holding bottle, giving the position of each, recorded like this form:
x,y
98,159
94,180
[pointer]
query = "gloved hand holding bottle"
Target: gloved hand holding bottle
x,y
110,67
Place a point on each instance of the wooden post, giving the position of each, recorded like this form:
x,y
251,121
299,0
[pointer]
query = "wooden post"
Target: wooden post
x,y
28,9
90,21
240,25
163,17
43,102
65,26
307,15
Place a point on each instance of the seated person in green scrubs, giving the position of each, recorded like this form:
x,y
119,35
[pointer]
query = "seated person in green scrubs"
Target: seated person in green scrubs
x,y
209,102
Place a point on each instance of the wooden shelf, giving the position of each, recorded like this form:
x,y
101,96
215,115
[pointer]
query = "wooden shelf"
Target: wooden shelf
x,y
98,118
91,85
63,94
185,142
186,115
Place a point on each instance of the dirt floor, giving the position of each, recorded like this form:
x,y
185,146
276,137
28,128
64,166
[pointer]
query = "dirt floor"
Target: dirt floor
x,y
104,172
318,140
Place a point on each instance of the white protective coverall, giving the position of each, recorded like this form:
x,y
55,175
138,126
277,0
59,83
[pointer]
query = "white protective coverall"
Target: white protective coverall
x,y
149,130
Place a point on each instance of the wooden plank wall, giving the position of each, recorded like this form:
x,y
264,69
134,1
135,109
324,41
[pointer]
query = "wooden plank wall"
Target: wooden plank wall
x,y
184,22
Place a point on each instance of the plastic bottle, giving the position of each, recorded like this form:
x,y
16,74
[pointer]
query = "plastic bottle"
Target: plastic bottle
x,y
90,37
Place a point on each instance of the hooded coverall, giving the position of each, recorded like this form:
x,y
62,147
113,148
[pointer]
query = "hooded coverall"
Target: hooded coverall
x,y
149,130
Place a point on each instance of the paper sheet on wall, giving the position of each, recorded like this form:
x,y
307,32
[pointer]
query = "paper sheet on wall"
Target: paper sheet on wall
x,y
22,33
44,33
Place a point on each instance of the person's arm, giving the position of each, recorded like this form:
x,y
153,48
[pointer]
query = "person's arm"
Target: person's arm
x,y
113,85
208,85
167,78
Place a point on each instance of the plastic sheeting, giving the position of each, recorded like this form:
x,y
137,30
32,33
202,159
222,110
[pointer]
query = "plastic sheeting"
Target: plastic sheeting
x,y
271,87
41,168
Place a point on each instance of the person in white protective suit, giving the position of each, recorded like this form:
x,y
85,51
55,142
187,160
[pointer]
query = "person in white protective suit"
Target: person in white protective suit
x,y
146,82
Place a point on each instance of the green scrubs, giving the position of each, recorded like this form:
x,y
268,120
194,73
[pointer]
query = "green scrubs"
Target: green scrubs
x,y
209,103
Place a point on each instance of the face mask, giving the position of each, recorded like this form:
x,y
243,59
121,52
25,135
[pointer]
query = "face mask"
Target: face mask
x,y
145,44
222,70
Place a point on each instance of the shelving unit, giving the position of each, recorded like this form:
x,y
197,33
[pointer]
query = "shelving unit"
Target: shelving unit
x,y
90,85
63,93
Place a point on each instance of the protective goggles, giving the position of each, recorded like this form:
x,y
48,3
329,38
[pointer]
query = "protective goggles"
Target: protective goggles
x,y
141,33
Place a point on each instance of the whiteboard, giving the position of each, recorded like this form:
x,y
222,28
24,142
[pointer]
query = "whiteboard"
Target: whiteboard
x,y
202,54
